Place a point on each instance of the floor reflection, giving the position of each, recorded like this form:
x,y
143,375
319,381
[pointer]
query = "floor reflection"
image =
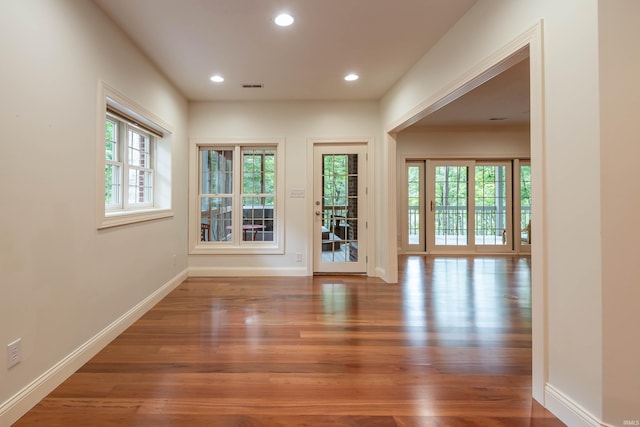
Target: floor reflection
x,y
449,345
464,301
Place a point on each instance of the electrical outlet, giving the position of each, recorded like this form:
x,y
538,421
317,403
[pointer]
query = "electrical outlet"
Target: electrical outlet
x,y
298,257
174,260
14,353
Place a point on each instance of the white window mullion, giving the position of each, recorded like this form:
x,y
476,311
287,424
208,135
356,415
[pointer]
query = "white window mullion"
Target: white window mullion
x,y
124,155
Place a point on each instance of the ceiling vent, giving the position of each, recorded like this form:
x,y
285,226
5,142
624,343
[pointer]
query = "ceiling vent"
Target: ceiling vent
x,y
252,86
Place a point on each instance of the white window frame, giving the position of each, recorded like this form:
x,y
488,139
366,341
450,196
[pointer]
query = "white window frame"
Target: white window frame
x,y
235,245
122,212
123,162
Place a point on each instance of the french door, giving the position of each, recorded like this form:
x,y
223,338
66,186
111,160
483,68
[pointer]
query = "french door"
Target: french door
x,y
340,200
469,206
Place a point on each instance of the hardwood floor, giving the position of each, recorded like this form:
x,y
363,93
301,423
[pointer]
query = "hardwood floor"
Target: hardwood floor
x,y
450,345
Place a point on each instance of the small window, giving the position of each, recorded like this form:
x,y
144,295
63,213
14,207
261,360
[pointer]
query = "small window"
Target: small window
x,y
239,198
134,182
129,166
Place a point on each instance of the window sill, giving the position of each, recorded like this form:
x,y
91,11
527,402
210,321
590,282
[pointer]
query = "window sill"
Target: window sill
x,y
115,219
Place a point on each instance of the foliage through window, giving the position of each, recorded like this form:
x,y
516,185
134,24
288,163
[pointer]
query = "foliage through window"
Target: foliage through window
x,y
129,169
491,204
237,200
133,162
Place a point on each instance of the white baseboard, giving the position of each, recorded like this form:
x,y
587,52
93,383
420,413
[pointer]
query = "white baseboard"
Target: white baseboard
x,y
18,405
246,271
568,411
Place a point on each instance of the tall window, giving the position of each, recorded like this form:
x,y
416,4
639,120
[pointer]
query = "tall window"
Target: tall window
x,y
129,169
238,197
525,203
415,226
258,193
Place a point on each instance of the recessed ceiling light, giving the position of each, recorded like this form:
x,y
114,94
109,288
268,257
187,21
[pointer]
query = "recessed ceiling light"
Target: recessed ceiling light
x,y
284,20
217,79
351,77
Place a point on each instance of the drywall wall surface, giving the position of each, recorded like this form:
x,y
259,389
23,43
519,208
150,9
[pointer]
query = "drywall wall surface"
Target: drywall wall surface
x,y
620,193
297,123
64,281
473,143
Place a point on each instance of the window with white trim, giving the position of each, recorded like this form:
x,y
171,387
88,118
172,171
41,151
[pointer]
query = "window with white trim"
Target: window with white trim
x,y
133,162
129,165
238,206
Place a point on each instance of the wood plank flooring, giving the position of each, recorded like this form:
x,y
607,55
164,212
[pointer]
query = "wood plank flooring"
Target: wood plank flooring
x,y
450,345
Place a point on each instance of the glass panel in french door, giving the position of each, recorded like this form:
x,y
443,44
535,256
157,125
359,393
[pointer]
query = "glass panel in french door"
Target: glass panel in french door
x,y
451,205
339,208
525,204
491,205
415,206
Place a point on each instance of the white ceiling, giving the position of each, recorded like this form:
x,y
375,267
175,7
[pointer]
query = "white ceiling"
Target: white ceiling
x,y
191,40
501,101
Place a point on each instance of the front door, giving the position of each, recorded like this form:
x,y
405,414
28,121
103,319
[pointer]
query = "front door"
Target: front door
x,y
340,201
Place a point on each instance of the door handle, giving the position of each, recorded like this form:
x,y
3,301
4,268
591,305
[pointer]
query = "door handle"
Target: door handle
x,y
318,213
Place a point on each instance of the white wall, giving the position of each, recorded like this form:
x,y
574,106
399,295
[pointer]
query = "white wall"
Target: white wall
x,y
571,254
471,143
620,192
296,122
62,281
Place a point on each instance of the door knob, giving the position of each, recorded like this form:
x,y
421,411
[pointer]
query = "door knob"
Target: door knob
x,y
318,213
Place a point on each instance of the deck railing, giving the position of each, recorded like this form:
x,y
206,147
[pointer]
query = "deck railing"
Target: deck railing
x,y
451,220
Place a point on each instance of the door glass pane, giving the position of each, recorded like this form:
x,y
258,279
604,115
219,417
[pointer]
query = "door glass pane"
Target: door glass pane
x,y
339,208
491,205
451,191
525,204
414,201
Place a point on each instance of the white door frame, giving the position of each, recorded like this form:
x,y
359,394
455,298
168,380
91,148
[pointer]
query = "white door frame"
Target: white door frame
x,y
530,41
370,203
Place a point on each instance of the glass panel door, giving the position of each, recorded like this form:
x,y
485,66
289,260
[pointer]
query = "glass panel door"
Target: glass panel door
x,y
415,223
339,209
449,206
493,206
